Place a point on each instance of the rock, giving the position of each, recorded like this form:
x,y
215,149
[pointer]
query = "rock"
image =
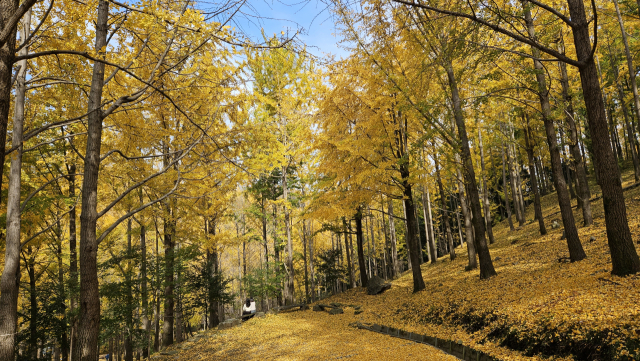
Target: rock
x,y
318,308
497,258
358,311
334,304
554,225
563,235
377,285
592,239
304,307
336,311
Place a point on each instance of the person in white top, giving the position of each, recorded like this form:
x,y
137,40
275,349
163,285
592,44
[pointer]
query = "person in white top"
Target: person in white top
x,y
248,308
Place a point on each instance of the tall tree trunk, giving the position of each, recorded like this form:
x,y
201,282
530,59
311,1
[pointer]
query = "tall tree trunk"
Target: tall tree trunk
x,y
528,135
505,190
623,253
304,256
576,252
364,280
169,259
64,341
212,268
485,191
486,265
311,263
89,317
128,340
347,231
636,97
33,305
73,259
392,235
584,194
432,236
445,211
288,289
406,235
10,281
512,181
471,249
144,294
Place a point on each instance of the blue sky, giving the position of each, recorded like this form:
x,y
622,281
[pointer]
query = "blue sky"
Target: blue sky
x,y
311,18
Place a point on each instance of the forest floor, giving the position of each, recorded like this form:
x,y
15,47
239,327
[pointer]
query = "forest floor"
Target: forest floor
x,y
537,307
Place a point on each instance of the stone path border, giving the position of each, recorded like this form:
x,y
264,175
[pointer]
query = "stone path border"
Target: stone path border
x,y
453,348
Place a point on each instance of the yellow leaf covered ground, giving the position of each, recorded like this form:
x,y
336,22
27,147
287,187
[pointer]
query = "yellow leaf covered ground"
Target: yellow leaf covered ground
x,y
303,336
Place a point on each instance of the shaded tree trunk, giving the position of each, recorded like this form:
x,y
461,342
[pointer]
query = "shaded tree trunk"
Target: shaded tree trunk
x,y
576,252
89,316
445,212
486,265
528,134
359,244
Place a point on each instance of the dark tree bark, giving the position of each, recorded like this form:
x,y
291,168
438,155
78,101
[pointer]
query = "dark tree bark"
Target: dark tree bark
x,y
623,253
505,189
73,259
169,258
576,252
584,194
528,135
466,215
485,191
89,317
212,263
144,294
445,212
486,265
359,240
128,340
352,281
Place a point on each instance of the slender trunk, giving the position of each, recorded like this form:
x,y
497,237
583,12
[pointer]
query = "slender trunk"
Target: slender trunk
x,y
311,263
392,235
576,252
636,97
359,244
169,259
584,194
485,191
212,268
73,260
445,212
505,190
288,289
156,310
10,281
89,316
528,134
486,265
471,249
347,231
128,341
512,182
64,341
146,322
406,235
304,256
32,342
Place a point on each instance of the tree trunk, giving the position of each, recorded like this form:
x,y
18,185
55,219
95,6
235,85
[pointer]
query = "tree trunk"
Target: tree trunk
x,y
10,281
428,224
576,252
73,260
359,240
584,194
128,341
471,249
64,341
392,235
636,98
623,253
89,316
486,265
304,256
33,305
288,289
169,258
445,212
505,190
146,322
485,191
528,135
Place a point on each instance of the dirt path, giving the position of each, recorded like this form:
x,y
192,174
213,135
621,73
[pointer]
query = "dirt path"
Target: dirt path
x,y
301,336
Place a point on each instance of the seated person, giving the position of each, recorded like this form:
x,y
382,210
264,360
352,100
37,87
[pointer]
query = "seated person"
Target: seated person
x,y
247,309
